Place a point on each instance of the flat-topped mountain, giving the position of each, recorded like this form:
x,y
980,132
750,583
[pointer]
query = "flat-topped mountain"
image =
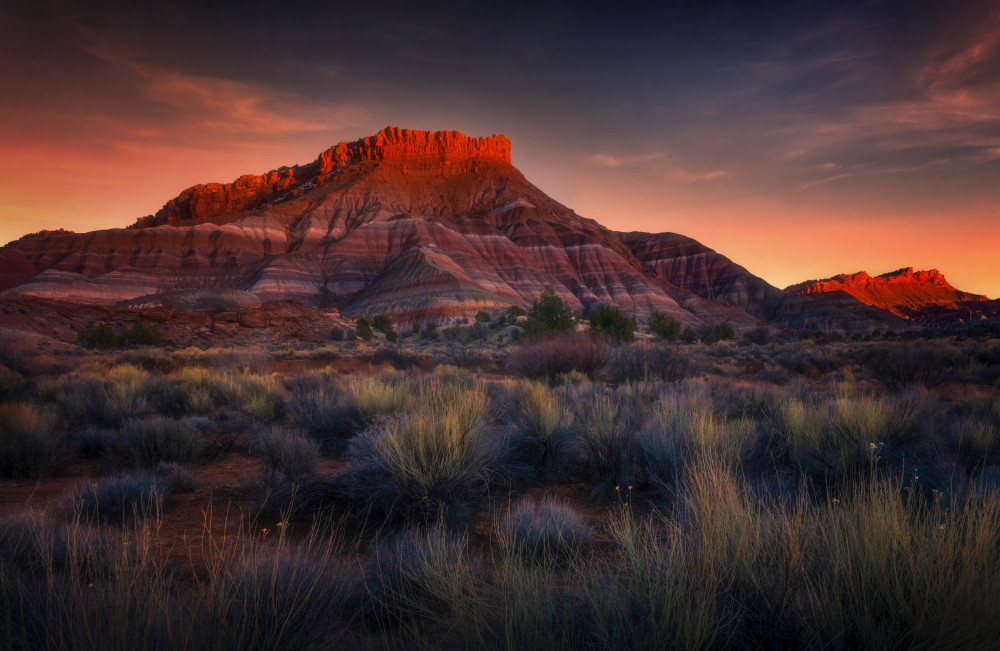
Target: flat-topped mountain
x,y
903,292
428,224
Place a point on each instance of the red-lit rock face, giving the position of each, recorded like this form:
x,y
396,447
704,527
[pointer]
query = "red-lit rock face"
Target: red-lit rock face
x,y
905,292
450,151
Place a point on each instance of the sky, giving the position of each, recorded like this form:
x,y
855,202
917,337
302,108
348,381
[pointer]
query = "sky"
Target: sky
x,y
800,139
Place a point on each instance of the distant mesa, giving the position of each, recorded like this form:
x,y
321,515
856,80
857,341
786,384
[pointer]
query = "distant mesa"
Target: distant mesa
x,y
416,224
904,292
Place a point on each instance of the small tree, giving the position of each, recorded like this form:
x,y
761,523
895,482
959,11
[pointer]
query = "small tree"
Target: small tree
x,y
689,335
416,328
482,316
391,336
609,321
664,326
99,336
515,311
364,330
142,334
382,323
724,332
549,314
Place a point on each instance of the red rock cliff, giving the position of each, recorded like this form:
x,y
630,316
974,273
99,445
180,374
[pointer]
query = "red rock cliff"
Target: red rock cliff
x,y
390,145
904,292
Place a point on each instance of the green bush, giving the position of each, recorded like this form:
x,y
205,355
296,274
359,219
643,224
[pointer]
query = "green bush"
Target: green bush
x,y
482,316
99,336
391,336
724,332
415,328
689,335
549,314
142,334
382,323
664,326
609,321
515,311
364,329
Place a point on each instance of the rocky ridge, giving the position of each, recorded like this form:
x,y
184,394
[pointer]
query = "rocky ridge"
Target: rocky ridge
x,y
904,292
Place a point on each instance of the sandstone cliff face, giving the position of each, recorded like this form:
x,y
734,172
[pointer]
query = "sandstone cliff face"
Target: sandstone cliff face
x,y
691,265
904,292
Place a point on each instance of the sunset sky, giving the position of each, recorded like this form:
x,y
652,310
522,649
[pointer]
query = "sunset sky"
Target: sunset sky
x,y
801,139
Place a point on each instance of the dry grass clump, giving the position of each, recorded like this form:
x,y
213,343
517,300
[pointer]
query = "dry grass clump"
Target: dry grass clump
x,y
434,462
376,397
545,530
125,498
285,453
541,429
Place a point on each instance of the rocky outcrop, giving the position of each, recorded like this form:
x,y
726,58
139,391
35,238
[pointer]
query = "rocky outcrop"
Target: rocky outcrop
x,y
691,265
904,292
390,145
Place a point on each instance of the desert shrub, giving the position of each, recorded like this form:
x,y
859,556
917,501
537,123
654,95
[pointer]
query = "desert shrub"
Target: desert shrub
x,y
807,360
285,452
607,431
39,546
123,392
609,321
560,354
142,334
664,326
417,576
724,332
482,316
382,323
415,328
318,406
32,444
645,362
124,498
391,336
375,397
99,336
689,335
364,329
544,530
541,427
515,311
174,477
760,336
432,463
861,427
91,441
148,441
259,396
904,364
549,314
293,597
